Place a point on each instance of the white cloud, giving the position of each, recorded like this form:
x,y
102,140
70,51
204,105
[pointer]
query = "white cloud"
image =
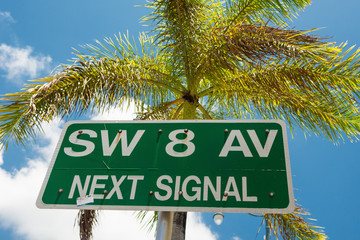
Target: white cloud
x,y
6,16
18,63
236,238
122,224
117,113
18,212
20,189
197,229
52,132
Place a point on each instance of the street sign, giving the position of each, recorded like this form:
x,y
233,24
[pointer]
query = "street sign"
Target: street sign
x,y
211,166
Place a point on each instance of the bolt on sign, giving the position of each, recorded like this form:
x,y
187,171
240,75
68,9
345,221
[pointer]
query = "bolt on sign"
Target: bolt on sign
x,y
226,166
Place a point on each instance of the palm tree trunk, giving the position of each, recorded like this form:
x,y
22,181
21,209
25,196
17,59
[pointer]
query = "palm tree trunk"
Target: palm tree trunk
x,y
179,219
189,111
179,225
86,220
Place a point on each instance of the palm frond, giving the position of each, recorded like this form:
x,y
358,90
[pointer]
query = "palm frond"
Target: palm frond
x,y
293,226
312,113
319,97
148,223
179,26
88,84
263,11
257,44
146,57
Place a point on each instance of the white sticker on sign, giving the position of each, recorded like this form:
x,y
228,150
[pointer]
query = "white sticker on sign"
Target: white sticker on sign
x,y
80,201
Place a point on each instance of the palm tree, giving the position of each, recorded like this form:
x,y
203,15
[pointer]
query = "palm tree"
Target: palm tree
x,y
206,59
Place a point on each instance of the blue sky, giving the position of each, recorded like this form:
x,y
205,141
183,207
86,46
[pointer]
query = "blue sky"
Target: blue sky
x,y
38,35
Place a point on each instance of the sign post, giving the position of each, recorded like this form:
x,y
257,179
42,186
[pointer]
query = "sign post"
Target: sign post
x,y
212,166
164,225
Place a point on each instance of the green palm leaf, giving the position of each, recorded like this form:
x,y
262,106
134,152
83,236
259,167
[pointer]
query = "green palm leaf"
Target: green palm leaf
x,y
87,84
261,11
293,226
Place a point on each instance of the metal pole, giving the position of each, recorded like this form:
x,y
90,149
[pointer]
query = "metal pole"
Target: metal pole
x,y
267,229
164,226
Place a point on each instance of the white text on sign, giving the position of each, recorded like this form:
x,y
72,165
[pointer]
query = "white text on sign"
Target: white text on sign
x,y
127,148
167,188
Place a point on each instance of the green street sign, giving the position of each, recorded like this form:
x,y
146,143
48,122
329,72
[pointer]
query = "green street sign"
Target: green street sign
x,y
210,166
